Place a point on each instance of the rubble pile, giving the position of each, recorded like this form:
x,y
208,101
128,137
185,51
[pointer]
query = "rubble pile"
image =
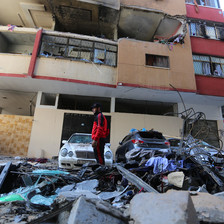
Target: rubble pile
x,y
181,186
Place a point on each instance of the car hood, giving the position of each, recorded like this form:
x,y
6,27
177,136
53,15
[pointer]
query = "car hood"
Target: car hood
x,y
81,147
78,146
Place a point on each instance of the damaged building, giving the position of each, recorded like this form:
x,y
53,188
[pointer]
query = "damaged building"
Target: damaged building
x,y
58,57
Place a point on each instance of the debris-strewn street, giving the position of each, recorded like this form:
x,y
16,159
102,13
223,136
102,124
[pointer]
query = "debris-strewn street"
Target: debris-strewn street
x,y
177,186
112,112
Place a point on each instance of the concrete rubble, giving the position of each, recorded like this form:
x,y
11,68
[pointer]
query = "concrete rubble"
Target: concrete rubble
x,y
173,207
178,187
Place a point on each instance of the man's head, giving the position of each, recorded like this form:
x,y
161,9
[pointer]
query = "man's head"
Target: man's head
x,y
96,108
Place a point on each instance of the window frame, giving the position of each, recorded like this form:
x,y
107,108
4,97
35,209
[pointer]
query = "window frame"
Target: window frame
x,y
212,70
198,26
108,48
205,4
155,66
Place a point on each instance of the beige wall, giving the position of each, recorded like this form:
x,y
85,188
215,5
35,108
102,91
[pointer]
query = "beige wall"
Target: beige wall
x,y
132,68
46,133
21,49
47,129
62,68
11,12
172,7
122,123
15,134
17,64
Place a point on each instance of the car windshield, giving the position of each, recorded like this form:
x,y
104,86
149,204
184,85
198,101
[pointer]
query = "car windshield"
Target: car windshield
x,y
151,134
80,139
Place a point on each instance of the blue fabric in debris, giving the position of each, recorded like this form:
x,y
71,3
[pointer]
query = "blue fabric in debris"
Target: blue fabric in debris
x,y
50,172
41,200
173,165
161,164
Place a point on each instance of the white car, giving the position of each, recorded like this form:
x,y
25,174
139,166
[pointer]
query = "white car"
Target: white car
x,y
78,150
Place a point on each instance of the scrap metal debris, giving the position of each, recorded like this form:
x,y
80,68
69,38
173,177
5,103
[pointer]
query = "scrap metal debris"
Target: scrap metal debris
x,y
35,191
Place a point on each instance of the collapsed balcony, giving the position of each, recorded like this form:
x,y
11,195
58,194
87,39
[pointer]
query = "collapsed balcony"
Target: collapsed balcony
x,y
109,19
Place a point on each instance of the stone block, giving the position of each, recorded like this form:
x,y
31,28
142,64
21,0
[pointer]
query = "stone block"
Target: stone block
x,y
85,212
209,208
173,207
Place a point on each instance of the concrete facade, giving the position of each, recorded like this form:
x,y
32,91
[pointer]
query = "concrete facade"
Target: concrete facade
x,y
25,67
47,128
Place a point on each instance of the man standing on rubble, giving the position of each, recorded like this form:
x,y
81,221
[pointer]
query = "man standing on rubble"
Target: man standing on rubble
x,y
99,133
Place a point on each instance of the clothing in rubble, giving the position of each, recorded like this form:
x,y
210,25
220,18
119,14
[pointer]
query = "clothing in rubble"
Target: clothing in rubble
x,y
99,134
161,164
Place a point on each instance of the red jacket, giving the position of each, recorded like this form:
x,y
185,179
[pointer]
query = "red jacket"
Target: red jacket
x,y
100,129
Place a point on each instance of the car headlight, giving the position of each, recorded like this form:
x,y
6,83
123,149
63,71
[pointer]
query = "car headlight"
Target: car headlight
x,y
70,154
64,152
108,155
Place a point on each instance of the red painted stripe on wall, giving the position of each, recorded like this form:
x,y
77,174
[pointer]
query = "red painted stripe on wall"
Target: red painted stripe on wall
x,y
13,75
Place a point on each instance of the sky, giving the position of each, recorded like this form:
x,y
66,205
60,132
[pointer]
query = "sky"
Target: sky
x,y
222,4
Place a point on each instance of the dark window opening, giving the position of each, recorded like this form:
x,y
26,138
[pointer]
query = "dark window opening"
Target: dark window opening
x,y
144,107
48,99
82,103
157,61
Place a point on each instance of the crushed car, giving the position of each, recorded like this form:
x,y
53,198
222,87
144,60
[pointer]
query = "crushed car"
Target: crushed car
x,y
141,143
78,150
194,146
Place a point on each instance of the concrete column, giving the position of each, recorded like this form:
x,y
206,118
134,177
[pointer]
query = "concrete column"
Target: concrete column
x,y
115,33
56,101
175,109
39,94
112,105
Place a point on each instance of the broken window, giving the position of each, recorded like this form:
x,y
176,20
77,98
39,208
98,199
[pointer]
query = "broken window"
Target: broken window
x,y
206,30
206,65
79,49
220,33
210,31
157,61
209,3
